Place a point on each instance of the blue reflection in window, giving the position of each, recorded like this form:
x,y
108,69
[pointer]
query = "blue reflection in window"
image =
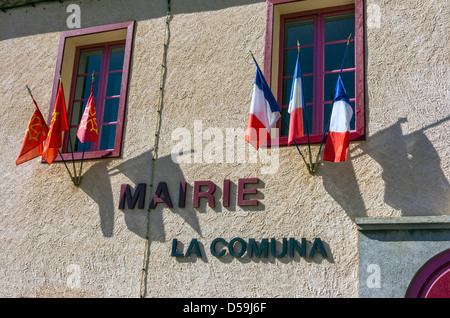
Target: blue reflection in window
x,y
108,137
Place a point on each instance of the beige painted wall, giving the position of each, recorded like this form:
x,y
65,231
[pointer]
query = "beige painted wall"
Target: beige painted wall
x,y
53,232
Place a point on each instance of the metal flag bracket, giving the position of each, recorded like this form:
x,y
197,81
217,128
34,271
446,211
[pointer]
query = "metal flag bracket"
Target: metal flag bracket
x,y
312,167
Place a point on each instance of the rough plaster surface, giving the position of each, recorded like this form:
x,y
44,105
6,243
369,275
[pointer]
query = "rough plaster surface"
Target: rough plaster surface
x,y
54,233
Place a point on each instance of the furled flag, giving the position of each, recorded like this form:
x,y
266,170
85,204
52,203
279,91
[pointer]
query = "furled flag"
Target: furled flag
x,y
87,130
296,105
33,140
338,138
264,112
57,126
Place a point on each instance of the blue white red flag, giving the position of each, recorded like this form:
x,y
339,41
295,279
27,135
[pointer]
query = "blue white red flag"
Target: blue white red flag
x,y
264,112
338,139
296,105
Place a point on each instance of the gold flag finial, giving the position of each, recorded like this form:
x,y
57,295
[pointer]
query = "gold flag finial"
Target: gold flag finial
x,y
298,46
349,39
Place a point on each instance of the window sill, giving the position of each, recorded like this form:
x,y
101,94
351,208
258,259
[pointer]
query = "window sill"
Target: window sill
x,y
313,139
67,156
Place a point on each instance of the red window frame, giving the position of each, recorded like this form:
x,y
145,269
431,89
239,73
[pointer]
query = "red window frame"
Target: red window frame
x,y
358,8
128,42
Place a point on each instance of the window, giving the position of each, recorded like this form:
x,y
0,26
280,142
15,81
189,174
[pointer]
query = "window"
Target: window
x,y
106,63
104,51
322,33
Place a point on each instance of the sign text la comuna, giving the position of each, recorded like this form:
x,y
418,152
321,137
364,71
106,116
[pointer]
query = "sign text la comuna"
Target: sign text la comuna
x,y
236,247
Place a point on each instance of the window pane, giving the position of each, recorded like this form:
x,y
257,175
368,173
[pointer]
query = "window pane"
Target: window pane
x,y
285,117
307,60
330,80
73,140
111,110
308,116
90,61
83,87
114,83
86,146
289,59
308,88
339,27
287,83
77,110
116,59
334,53
352,122
302,30
108,136
326,115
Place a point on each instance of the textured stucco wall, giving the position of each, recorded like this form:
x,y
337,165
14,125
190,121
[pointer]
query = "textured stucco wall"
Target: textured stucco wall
x,y
53,232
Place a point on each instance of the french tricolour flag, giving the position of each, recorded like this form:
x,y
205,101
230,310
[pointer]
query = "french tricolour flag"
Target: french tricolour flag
x,y
338,138
264,112
296,105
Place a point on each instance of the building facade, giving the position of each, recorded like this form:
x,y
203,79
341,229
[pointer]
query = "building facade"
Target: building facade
x,y
170,201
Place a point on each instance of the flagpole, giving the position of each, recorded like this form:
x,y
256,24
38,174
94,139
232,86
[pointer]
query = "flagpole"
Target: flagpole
x,y
29,92
306,164
81,166
331,109
31,95
74,179
70,174
303,117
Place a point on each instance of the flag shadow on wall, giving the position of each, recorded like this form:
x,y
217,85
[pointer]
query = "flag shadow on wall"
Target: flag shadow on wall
x,y
414,181
97,184
138,170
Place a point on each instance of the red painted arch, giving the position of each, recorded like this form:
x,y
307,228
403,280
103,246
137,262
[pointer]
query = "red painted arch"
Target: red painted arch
x,y
433,279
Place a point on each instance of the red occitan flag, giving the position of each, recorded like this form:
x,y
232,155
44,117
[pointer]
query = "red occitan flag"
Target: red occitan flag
x,y
87,130
32,144
57,126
